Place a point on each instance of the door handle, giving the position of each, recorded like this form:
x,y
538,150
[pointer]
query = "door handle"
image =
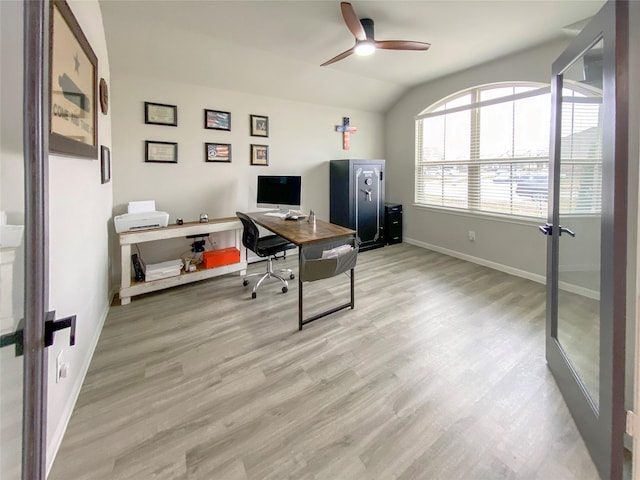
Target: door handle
x,y
548,230
566,230
51,325
367,193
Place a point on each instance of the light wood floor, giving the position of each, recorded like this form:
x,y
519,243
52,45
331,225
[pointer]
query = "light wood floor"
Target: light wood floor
x,y
439,373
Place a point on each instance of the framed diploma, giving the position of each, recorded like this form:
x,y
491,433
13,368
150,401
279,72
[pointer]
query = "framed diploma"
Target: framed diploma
x,y
160,152
160,114
73,117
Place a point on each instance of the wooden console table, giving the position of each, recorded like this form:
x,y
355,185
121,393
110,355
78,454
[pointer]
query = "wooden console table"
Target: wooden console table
x,y
130,288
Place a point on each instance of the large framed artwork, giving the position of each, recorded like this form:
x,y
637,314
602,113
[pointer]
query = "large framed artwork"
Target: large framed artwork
x,y
73,115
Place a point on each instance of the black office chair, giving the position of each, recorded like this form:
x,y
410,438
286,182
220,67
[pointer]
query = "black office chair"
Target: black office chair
x,y
267,247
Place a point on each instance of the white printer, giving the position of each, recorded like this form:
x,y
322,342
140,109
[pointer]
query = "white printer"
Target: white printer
x,y
140,216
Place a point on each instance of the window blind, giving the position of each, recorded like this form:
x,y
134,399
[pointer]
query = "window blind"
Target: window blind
x,y
487,150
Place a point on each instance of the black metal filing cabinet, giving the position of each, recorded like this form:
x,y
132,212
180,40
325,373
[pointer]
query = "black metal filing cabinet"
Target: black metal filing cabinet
x,y
356,199
393,223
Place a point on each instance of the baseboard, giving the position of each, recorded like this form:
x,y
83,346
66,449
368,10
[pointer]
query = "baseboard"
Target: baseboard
x,y
58,435
585,292
480,261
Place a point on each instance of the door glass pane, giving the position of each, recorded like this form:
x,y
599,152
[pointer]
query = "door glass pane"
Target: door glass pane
x,y
11,237
580,211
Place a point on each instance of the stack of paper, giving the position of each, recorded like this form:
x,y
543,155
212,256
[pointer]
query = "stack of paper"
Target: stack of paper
x,y
336,252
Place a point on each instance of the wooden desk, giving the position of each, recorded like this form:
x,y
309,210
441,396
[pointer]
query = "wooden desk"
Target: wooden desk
x,y
304,234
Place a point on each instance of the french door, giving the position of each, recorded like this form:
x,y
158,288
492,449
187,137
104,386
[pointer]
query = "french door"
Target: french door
x,y
23,363
586,249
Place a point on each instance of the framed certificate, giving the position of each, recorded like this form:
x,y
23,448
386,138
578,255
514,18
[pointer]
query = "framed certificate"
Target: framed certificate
x,y
160,114
160,152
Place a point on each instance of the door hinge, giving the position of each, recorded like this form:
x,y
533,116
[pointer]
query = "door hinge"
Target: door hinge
x,y
632,419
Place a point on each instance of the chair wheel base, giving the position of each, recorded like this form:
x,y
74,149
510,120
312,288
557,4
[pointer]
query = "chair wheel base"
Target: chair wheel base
x,y
254,295
292,276
245,283
285,289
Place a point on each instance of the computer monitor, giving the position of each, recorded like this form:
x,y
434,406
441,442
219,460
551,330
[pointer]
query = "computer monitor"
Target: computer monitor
x,y
279,191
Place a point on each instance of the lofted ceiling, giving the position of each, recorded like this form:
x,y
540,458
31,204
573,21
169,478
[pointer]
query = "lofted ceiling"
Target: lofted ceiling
x,y
275,48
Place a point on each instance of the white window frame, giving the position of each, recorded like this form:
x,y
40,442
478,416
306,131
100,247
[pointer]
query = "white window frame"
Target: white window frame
x,y
474,163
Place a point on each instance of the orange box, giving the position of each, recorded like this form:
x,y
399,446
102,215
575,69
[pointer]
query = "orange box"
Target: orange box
x,y
223,256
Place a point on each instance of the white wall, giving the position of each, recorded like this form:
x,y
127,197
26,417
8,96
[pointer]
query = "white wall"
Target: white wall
x,y
302,139
498,243
79,209
12,202
79,212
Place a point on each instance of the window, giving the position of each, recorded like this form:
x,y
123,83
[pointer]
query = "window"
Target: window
x,y
486,150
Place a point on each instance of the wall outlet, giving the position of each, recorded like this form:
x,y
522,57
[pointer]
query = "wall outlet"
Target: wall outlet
x,y
62,368
472,236
59,364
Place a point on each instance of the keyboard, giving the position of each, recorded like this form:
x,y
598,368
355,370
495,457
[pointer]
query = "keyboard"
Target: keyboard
x,y
276,214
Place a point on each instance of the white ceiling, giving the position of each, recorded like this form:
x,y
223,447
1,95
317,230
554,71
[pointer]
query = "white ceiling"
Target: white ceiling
x,y
275,48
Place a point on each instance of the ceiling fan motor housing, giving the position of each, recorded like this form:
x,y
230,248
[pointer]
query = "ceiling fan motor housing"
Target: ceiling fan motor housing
x,y
367,24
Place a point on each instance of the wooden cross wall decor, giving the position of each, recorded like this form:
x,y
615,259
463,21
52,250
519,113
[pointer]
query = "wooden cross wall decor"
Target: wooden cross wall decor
x,y
346,130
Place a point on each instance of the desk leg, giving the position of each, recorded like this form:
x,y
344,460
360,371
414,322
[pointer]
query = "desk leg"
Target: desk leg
x,y
243,251
353,280
299,290
125,272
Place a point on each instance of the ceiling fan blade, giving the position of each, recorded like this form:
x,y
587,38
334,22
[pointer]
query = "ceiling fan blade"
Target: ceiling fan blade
x,y
344,54
352,21
401,45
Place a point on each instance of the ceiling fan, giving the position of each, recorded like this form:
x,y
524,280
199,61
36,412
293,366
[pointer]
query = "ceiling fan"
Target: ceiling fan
x,y
362,29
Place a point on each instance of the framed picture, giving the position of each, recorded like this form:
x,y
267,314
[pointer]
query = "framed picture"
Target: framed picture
x,y
160,114
217,120
259,154
73,114
160,152
259,125
105,164
217,152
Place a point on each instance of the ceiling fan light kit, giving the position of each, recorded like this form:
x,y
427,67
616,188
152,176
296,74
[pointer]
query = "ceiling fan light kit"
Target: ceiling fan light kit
x,y
366,44
365,48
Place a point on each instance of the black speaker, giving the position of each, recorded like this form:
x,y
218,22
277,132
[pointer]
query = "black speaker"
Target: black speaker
x,y
137,268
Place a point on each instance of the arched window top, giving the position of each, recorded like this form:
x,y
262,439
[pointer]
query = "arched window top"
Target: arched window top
x,y
489,91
